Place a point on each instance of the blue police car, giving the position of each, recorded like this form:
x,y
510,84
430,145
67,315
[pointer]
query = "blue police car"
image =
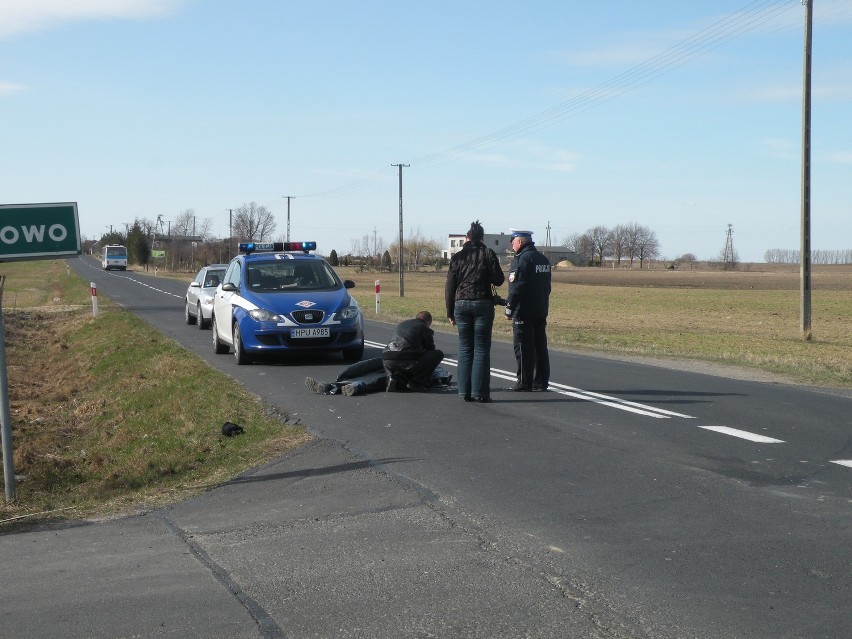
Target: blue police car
x,y
279,297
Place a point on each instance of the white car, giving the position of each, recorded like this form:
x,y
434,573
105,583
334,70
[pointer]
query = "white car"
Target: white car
x,y
199,295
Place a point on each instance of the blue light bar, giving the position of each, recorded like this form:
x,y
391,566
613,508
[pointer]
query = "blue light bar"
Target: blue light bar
x,y
271,247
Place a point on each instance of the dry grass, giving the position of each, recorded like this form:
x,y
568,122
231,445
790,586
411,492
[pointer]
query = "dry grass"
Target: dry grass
x,y
109,416
747,318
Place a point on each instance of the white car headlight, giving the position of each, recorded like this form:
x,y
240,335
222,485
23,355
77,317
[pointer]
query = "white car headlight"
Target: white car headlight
x,y
262,315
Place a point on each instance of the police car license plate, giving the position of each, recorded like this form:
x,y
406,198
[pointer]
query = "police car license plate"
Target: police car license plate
x,y
309,332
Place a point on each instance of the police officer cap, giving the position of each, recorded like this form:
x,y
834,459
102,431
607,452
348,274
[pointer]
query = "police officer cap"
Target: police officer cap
x,y
519,233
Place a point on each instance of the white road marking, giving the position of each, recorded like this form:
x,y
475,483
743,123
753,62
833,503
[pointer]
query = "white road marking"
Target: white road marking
x,y
127,277
662,411
843,462
742,434
578,393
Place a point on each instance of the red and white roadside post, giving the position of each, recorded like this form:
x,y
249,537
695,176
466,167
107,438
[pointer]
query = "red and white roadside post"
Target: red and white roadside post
x,y
378,296
94,290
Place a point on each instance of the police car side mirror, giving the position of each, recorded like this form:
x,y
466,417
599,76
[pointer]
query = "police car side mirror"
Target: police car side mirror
x,y
229,287
194,285
348,284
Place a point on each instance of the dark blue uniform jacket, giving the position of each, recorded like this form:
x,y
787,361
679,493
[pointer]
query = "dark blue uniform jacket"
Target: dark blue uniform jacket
x,y
529,283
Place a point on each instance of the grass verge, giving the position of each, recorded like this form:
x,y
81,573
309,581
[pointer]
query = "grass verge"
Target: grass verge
x,y
110,416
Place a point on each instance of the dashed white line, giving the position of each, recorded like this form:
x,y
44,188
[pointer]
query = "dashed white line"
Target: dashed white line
x,y
579,393
743,434
135,281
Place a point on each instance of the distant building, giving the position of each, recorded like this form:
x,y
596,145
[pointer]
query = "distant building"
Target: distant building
x,y
502,245
558,254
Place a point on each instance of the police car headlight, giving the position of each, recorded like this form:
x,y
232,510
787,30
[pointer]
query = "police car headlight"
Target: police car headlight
x,y
262,315
348,313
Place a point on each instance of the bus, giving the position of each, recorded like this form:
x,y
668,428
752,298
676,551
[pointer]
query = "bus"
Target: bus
x,y
115,257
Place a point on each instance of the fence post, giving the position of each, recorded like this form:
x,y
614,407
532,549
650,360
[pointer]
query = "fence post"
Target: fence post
x,y
94,290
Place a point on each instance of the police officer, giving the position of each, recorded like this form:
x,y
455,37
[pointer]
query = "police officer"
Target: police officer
x,y
527,306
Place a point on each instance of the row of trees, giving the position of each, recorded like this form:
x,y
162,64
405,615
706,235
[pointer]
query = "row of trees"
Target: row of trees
x,y
625,242
790,256
188,242
417,250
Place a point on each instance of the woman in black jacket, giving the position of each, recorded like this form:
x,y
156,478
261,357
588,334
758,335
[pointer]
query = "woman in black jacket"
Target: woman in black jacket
x,y
470,307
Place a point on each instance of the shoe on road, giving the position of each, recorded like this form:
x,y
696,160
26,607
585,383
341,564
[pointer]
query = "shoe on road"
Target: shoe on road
x,y
318,387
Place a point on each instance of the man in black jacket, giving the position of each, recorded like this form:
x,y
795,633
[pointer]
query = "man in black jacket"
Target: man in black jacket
x,y
410,356
527,306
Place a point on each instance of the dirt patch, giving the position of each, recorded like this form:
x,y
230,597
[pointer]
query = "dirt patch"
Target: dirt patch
x,y
764,277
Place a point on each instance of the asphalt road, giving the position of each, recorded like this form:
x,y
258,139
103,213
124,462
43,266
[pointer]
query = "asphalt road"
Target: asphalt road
x,y
630,501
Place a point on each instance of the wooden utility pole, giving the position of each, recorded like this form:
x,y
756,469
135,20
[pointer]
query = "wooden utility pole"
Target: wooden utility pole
x,y
401,268
805,285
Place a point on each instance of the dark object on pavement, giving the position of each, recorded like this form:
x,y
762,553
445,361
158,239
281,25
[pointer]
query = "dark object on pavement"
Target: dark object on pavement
x,y
229,429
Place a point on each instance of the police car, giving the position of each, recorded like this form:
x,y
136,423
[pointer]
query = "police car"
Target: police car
x,y
279,297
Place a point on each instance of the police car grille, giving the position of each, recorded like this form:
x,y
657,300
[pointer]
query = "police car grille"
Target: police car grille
x,y
308,317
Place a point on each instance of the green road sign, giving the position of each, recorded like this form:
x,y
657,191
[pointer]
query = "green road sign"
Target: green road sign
x,y
38,231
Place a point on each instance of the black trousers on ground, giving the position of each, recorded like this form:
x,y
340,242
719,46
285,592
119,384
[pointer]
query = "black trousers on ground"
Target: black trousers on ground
x,y
530,344
417,370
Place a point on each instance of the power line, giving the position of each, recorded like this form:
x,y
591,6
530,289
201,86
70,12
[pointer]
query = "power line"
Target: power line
x,y
750,17
712,37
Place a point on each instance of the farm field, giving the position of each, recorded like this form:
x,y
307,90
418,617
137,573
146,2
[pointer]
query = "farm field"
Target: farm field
x,y
746,318
745,321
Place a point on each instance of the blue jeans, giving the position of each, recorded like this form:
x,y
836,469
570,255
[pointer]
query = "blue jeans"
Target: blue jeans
x,y
474,320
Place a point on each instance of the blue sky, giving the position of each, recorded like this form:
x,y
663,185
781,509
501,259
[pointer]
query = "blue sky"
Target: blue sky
x,y
517,114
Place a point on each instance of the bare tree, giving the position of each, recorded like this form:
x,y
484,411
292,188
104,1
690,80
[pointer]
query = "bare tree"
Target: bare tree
x,y
184,223
688,259
647,246
204,229
618,242
253,223
601,238
582,245
416,249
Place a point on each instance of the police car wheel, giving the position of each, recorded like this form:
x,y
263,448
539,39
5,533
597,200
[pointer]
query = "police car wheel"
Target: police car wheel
x,y
200,318
239,352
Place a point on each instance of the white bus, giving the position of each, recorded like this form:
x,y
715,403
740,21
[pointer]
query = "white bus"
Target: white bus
x,y
115,256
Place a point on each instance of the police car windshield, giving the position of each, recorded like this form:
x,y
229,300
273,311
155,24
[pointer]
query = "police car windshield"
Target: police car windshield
x,y
290,275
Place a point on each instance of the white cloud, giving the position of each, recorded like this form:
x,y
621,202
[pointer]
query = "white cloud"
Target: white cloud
x,y
781,149
8,88
837,157
27,16
531,156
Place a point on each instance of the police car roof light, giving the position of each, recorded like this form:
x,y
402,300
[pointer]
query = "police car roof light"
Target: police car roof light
x,y
300,246
271,247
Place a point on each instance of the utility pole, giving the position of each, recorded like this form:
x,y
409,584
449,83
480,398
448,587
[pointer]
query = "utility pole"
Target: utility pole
x,y
230,231
728,255
547,240
805,284
288,198
401,271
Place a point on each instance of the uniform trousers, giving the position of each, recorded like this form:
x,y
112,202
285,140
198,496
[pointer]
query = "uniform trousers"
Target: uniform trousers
x,y
530,344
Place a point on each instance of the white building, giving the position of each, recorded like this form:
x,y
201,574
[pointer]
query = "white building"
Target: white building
x,y
501,243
